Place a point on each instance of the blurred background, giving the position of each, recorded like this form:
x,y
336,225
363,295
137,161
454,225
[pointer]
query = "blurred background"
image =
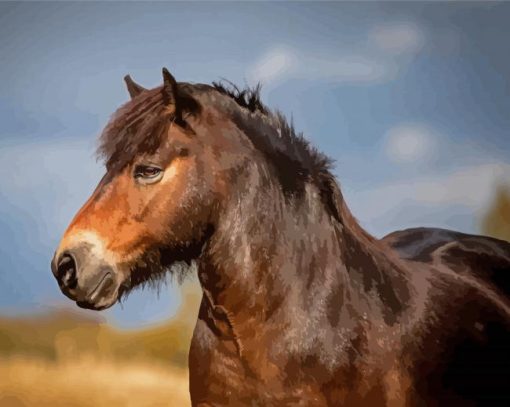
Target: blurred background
x,y
411,99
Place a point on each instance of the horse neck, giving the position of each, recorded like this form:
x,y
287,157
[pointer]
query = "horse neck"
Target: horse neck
x,y
269,252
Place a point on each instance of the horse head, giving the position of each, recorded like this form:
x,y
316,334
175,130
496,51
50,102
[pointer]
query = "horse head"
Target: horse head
x,y
157,201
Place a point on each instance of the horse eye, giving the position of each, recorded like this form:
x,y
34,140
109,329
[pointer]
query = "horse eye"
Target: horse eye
x,y
147,172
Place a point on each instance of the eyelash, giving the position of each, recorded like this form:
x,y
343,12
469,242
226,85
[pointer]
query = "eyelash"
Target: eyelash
x,y
141,169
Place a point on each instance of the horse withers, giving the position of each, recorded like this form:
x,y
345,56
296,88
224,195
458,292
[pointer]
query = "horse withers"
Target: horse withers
x,y
300,305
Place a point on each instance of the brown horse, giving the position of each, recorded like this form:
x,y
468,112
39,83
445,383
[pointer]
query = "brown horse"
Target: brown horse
x,y
300,305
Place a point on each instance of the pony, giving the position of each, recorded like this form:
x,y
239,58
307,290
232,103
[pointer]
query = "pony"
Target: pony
x,y
300,306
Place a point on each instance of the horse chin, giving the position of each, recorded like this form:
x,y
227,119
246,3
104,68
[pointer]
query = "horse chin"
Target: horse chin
x,y
101,305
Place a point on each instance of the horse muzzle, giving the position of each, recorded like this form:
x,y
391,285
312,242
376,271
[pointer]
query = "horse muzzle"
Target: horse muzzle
x,y
86,279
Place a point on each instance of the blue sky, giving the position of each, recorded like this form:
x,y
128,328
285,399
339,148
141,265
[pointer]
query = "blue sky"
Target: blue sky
x,y
410,99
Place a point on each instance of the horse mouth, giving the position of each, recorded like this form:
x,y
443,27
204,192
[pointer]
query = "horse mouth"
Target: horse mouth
x,y
102,295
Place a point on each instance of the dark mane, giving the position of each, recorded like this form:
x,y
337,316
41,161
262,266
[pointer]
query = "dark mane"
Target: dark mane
x,y
294,159
247,97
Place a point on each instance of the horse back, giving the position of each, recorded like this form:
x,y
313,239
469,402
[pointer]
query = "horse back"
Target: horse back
x,y
485,258
468,350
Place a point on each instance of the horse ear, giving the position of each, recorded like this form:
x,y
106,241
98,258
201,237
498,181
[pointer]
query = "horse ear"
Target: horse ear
x,y
133,88
171,93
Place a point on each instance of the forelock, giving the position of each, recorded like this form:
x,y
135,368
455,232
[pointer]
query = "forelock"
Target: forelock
x,y
136,127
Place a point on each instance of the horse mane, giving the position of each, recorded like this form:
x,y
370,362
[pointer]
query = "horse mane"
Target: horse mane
x,y
295,160
248,98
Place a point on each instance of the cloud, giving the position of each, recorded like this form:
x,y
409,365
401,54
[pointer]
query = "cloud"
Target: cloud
x,y
366,65
398,38
472,187
352,68
284,63
273,65
467,191
409,142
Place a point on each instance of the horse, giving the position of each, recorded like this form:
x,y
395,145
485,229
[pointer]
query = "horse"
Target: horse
x,y
300,305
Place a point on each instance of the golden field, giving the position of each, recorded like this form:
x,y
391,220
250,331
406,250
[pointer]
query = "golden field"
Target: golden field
x,y
89,382
68,359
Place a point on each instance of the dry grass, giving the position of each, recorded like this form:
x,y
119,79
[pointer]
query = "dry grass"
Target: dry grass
x,y
69,358
89,382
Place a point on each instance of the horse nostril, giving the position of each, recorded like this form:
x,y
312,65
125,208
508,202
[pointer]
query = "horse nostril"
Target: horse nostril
x,y
66,271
